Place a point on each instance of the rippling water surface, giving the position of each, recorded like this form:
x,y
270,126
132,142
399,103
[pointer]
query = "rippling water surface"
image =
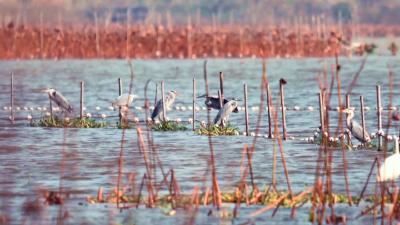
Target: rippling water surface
x,y
81,160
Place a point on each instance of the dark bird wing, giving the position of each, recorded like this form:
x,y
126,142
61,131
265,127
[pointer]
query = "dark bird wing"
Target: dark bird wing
x,y
157,109
218,117
213,103
61,101
357,132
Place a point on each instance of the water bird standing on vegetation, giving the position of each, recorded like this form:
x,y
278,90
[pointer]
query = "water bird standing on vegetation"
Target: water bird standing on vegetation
x,y
169,100
59,99
212,102
124,100
223,114
355,128
390,169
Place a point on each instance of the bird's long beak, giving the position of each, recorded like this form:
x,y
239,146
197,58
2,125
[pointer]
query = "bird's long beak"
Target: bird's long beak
x,y
45,90
177,93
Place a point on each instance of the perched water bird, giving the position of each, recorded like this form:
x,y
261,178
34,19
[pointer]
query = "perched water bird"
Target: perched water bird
x,y
223,114
355,128
390,168
158,109
123,100
59,99
212,102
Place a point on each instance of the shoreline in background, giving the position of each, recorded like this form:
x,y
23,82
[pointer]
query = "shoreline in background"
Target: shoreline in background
x,y
157,41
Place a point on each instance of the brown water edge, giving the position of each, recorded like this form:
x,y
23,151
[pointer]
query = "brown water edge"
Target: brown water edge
x,y
191,41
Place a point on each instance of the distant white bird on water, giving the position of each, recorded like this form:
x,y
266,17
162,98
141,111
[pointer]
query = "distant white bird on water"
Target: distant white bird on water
x,y
390,168
123,100
223,114
158,109
59,99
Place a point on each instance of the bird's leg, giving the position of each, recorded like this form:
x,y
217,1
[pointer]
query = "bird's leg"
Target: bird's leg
x,y
349,139
223,123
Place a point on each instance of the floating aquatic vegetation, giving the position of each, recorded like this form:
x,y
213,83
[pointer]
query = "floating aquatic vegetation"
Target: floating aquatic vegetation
x,y
168,126
215,130
70,123
336,142
125,125
254,197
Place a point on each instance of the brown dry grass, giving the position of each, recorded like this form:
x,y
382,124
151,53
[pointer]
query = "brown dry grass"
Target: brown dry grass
x,y
30,42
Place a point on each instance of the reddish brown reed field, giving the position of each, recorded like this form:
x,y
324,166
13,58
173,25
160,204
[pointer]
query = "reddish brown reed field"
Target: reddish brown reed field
x,y
151,41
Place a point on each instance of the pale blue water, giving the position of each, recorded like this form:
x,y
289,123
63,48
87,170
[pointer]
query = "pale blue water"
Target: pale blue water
x,y
30,157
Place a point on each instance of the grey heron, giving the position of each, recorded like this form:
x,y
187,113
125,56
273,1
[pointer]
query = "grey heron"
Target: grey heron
x,y
123,100
59,99
390,168
212,102
355,128
158,109
223,114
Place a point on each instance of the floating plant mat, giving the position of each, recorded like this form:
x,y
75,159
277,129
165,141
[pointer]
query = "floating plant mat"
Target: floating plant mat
x,y
268,196
337,143
215,130
168,126
70,123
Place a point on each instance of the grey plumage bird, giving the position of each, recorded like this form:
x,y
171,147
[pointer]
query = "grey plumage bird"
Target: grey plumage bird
x,y
212,102
158,109
59,99
355,128
223,114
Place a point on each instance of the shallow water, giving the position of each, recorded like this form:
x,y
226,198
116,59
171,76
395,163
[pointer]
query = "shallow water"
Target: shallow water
x,y
34,158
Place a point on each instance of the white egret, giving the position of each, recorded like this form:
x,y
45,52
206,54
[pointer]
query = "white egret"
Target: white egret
x,y
124,100
390,168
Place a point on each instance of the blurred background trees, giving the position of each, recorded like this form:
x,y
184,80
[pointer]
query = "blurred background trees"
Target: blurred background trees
x,y
223,11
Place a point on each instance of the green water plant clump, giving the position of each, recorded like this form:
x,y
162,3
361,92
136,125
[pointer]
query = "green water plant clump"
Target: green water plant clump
x,y
125,125
216,130
256,197
336,142
53,121
168,126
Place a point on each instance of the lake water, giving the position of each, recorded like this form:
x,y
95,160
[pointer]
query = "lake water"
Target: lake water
x,y
81,160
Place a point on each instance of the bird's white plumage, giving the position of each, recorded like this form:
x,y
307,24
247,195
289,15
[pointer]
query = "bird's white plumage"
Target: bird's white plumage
x,y
390,168
124,100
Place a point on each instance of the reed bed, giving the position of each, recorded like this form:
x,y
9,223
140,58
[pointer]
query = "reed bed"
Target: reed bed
x,y
254,197
155,41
